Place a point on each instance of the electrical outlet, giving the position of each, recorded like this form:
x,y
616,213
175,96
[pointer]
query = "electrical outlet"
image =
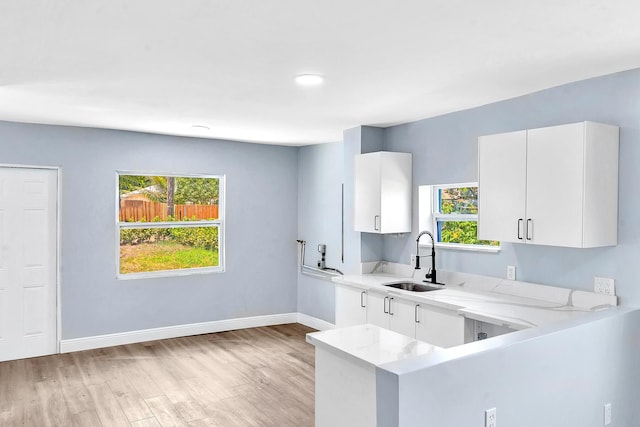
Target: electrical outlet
x,y
604,285
607,414
413,259
490,418
511,272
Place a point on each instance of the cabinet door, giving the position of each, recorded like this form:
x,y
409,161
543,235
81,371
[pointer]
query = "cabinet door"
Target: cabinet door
x,y
502,184
367,193
377,309
440,327
555,177
402,317
396,193
350,306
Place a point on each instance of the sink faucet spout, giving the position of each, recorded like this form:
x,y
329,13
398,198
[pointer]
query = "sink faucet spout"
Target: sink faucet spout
x,y
432,273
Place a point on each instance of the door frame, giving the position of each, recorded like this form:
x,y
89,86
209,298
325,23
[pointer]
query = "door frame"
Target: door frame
x,y
58,171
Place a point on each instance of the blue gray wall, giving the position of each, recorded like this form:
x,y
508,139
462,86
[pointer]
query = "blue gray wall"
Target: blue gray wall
x,y
323,169
261,227
445,151
320,222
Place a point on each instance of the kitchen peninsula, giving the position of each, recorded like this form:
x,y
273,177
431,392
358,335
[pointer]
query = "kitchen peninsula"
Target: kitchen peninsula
x,y
352,362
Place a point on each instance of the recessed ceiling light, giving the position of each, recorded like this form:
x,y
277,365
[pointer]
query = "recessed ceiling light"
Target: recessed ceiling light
x,y
199,127
309,79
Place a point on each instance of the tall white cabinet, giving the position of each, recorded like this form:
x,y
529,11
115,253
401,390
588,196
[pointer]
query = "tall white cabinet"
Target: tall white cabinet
x,y
554,186
382,192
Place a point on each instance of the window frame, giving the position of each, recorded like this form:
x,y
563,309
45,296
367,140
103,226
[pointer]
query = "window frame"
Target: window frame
x,y
219,223
430,215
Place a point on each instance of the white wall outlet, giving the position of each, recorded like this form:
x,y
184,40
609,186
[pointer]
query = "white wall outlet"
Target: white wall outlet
x,y
604,285
413,259
490,418
607,414
511,272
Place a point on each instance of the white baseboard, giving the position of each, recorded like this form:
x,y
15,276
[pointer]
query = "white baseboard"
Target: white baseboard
x,y
314,322
100,341
132,337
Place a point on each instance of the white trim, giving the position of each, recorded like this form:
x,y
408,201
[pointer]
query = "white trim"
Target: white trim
x,y
176,224
132,337
17,166
219,223
463,247
100,341
314,322
428,217
170,273
59,261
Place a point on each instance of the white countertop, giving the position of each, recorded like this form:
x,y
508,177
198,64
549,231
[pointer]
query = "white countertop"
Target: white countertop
x,y
517,305
371,344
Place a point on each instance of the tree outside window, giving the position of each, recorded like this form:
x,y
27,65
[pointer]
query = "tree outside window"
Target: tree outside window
x,y
455,214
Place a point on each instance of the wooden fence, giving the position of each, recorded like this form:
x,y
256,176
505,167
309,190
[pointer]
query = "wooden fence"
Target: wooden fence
x,y
143,210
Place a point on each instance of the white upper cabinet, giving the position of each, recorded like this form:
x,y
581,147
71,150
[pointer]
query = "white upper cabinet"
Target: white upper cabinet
x,y
502,179
554,186
383,192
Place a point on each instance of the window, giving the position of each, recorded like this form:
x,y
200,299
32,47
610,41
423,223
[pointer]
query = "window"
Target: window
x,y
169,225
450,211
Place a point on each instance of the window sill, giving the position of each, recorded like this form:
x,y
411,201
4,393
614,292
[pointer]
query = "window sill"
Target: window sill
x,y
462,247
169,273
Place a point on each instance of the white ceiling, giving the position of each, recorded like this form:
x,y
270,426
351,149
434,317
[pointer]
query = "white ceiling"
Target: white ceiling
x,y
162,66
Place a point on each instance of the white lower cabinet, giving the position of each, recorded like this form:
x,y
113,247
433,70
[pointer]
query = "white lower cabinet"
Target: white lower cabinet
x,y
442,327
438,326
401,316
377,311
393,313
351,306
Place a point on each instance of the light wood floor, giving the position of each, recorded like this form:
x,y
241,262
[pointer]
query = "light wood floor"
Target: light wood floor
x,y
252,377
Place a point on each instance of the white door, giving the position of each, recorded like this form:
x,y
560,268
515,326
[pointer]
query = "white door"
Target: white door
x,y
402,316
555,176
378,309
367,193
351,306
395,192
502,182
28,250
440,327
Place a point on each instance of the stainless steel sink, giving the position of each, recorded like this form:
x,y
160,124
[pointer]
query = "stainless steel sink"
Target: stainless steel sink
x,y
414,287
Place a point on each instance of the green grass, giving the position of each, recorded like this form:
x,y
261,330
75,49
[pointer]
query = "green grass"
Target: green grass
x,y
164,256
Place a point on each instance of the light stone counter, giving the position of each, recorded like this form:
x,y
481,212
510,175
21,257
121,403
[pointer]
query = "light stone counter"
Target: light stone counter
x,y
517,305
371,344
350,360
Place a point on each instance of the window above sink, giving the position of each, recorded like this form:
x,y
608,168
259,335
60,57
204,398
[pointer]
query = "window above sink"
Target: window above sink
x,y
450,212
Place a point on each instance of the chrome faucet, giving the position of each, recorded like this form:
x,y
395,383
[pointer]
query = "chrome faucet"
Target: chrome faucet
x,y
432,273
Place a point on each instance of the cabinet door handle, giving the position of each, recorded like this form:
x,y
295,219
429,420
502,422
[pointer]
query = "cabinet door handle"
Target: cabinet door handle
x,y
384,308
375,223
390,312
529,227
362,299
415,315
520,220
